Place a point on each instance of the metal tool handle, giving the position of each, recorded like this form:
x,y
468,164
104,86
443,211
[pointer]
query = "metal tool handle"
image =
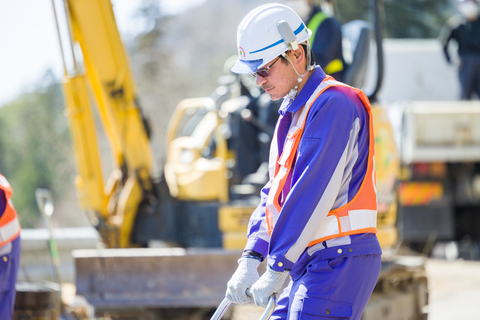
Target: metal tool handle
x,y
222,308
272,302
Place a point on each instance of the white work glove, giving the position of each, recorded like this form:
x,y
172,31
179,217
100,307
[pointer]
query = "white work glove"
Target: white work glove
x,y
269,283
245,276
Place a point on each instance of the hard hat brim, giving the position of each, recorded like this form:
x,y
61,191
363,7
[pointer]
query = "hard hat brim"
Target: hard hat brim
x,y
246,66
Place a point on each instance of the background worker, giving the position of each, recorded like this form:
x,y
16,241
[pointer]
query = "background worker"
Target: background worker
x,y
9,250
466,32
326,39
317,218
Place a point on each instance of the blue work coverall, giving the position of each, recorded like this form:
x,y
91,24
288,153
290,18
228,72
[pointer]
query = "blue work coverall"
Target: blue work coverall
x,y
9,263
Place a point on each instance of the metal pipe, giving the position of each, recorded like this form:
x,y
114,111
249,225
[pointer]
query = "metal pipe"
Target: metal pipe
x,y
59,37
378,40
71,34
222,308
272,302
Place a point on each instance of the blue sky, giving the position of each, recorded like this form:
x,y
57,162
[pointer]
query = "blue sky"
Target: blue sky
x,y
29,43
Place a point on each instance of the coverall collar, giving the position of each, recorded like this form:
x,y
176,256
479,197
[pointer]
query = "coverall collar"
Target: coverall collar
x,y
303,96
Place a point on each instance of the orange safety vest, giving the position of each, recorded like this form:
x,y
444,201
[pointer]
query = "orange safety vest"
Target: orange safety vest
x,y
357,216
9,224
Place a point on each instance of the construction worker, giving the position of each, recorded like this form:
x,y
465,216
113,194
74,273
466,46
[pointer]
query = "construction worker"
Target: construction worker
x,y
316,222
9,250
326,39
465,30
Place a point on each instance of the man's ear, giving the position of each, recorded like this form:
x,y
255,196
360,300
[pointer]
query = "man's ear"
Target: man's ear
x,y
298,55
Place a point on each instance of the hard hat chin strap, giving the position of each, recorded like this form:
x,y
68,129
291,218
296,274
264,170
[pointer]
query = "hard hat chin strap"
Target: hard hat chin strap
x,y
290,39
293,93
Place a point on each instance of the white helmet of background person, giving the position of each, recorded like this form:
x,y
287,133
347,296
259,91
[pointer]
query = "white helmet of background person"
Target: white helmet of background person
x,y
468,9
265,33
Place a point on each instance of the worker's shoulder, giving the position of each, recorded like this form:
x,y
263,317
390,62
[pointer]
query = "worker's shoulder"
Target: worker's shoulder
x,y
330,23
343,94
455,22
340,98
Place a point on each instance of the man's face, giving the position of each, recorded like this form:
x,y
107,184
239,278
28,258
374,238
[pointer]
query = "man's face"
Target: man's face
x,y
281,80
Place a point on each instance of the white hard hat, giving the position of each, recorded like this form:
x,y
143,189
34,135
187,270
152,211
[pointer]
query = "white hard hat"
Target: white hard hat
x,y
265,33
469,9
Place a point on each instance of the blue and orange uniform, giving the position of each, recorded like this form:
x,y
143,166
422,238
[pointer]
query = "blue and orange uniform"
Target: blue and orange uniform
x,y
317,216
9,250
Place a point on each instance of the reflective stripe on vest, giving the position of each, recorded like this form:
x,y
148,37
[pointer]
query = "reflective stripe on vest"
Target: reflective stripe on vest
x,y
9,224
357,216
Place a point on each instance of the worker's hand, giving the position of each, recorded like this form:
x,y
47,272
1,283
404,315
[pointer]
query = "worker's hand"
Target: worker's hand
x,y
269,283
245,276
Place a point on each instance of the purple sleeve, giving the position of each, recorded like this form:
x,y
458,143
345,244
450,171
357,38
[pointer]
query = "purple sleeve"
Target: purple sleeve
x,y
258,237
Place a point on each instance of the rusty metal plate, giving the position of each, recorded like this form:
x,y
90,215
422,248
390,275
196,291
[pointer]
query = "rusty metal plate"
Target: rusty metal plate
x,y
154,278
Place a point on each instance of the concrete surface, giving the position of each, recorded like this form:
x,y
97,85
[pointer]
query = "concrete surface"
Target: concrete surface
x,y
454,292
454,288
415,69
36,262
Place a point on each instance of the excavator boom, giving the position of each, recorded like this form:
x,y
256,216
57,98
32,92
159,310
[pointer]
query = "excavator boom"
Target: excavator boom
x,y
104,83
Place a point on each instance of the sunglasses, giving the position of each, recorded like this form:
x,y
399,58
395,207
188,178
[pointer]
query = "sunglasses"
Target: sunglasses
x,y
263,72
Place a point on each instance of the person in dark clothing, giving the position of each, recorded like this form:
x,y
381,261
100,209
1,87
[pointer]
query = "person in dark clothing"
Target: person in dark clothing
x,y
326,41
465,30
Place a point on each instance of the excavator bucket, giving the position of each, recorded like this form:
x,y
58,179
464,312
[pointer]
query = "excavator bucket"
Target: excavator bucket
x,y
154,277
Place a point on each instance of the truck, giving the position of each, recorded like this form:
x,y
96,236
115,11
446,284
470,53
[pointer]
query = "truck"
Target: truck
x,y
439,190
172,240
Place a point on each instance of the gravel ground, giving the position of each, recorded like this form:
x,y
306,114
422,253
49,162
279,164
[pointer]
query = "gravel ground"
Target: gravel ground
x,y
247,311
454,292
454,289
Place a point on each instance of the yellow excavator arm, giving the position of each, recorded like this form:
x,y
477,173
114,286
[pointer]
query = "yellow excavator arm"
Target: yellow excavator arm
x,y
104,82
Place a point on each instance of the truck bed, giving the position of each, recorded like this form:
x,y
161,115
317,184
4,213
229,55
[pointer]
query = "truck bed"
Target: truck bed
x,y
447,131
